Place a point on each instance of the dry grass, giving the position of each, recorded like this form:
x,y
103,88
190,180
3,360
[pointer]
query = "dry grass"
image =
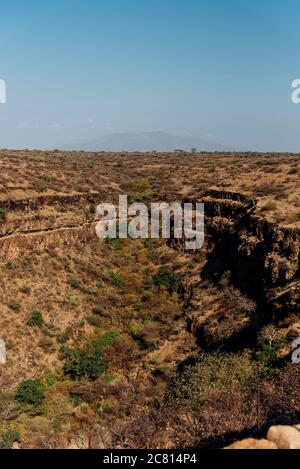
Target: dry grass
x,y
171,175
61,288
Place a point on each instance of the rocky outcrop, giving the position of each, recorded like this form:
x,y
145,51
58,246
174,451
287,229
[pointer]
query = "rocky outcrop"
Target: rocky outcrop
x,y
273,248
263,257
60,200
252,443
23,244
34,224
285,437
278,437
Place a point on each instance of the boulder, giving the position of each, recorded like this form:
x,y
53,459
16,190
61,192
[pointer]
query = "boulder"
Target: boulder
x,y
284,436
16,445
252,443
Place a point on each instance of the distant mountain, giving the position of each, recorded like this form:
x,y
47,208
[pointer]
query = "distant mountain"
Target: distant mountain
x,y
147,141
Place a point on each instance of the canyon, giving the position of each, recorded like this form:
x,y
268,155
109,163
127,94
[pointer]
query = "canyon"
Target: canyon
x,y
153,305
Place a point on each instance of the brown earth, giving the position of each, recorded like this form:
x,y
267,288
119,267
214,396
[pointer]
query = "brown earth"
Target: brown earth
x,y
61,289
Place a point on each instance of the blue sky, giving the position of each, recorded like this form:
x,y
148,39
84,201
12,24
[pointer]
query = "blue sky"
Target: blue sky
x,y
218,69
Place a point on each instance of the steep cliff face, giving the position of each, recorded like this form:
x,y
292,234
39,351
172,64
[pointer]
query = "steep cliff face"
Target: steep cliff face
x,y
263,257
248,273
30,225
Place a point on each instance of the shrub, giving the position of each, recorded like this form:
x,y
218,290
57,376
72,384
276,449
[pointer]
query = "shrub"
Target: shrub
x,y
8,438
2,214
218,372
30,392
97,310
46,344
295,217
271,205
88,363
136,328
14,306
242,303
138,190
92,207
269,343
73,283
35,319
25,290
94,320
106,340
225,279
268,353
116,280
167,278
64,337
50,380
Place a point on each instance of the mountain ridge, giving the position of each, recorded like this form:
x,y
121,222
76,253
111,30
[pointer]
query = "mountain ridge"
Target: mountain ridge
x,y
147,141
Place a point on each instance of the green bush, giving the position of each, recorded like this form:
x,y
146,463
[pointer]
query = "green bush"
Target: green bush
x,y
88,363
138,190
116,280
35,319
167,278
218,372
30,392
269,343
105,340
73,283
8,438
268,353
2,214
